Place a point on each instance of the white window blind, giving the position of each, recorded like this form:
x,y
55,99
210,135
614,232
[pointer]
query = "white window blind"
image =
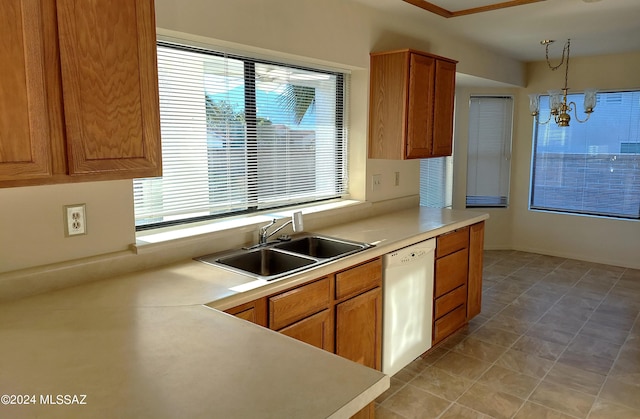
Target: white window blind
x,y
489,151
592,167
242,135
436,182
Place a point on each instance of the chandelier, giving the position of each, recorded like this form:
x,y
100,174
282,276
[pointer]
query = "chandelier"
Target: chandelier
x,y
560,109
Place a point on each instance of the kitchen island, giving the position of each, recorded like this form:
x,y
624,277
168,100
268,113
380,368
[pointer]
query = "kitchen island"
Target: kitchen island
x,y
145,345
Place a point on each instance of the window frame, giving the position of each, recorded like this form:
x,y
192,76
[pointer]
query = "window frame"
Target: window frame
x,y
534,144
341,131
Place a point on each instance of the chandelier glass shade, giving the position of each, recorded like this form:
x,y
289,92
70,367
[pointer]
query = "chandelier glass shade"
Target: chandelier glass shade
x,y
559,108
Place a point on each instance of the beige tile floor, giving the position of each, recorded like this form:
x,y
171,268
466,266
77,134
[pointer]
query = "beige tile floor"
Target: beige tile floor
x,y
557,338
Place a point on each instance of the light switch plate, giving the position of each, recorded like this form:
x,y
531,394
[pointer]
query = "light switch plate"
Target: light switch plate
x,y
75,220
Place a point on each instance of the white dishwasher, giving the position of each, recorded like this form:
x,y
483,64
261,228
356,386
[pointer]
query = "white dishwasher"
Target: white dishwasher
x,y
408,304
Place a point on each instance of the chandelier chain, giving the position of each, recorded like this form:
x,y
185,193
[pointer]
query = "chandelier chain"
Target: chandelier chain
x,y
565,50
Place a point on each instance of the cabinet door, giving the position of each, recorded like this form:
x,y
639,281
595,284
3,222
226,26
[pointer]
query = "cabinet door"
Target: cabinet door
x,y
110,86
316,330
420,113
474,286
253,311
359,329
445,82
25,151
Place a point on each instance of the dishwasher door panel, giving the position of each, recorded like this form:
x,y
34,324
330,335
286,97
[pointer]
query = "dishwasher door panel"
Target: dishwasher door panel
x,y
408,305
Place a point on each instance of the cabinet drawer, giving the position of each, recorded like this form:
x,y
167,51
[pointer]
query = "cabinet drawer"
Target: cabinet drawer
x,y
452,242
298,303
448,324
450,300
359,279
451,272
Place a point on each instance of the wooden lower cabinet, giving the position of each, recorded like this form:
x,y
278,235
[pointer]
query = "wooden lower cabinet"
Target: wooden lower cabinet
x,y
367,412
474,287
316,330
340,313
359,329
253,311
458,279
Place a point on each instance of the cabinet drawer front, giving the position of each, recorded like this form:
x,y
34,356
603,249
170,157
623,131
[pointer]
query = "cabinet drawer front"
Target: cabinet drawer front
x,y
448,324
452,242
450,300
359,279
298,303
451,272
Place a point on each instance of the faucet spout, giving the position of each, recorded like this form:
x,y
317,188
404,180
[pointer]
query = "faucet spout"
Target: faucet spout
x,y
264,235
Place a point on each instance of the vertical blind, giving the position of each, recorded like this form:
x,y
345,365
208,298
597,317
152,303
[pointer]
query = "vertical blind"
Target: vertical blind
x,y
436,182
489,151
242,135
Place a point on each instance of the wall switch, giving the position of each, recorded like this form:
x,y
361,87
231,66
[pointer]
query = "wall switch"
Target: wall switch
x,y
75,220
397,182
376,182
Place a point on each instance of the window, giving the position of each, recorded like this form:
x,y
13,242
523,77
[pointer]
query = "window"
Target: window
x,y
436,182
242,135
590,168
489,151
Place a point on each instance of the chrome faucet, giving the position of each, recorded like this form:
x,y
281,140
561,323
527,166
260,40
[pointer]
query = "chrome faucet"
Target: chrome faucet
x,y
296,220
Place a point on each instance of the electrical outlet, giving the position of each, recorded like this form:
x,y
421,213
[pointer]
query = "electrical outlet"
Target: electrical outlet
x,y
397,179
376,182
75,220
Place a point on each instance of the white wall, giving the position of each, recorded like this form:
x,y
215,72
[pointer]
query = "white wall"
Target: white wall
x,y
598,239
338,33
603,240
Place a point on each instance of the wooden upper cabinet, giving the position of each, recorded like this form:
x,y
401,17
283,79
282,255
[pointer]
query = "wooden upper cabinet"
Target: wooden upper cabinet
x,y
445,87
109,85
25,151
78,91
411,105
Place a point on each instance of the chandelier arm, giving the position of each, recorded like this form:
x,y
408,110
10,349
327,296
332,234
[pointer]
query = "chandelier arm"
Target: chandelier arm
x,y
575,113
545,122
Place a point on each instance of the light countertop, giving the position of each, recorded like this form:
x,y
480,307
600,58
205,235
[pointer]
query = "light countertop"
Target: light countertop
x,y
144,344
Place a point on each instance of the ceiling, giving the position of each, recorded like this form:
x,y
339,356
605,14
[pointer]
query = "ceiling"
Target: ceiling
x,y
595,27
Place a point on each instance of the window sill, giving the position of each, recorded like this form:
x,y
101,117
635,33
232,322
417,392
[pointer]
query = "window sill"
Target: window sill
x,y
237,227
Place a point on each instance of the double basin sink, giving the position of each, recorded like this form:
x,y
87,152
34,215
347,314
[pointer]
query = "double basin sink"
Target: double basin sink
x,y
277,259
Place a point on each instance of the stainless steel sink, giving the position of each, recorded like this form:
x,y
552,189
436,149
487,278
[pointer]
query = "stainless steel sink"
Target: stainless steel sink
x,y
321,247
277,259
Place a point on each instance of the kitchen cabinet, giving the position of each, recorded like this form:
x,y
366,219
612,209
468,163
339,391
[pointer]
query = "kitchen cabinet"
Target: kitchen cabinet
x,y
316,330
79,91
359,327
253,311
341,313
304,313
410,105
359,314
458,279
474,288
24,126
